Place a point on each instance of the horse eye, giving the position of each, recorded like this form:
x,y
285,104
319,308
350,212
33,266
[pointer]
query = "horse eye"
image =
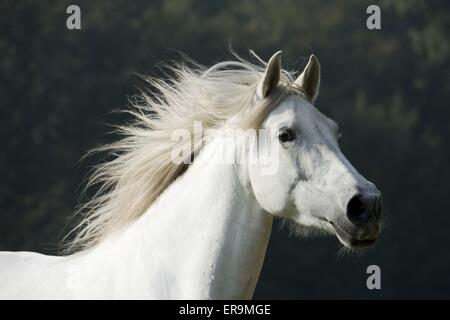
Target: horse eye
x,y
286,135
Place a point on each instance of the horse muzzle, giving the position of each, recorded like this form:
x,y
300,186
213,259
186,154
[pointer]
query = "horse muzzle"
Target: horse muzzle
x,y
362,224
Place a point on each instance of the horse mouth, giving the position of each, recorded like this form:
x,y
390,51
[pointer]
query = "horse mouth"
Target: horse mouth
x,y
349,240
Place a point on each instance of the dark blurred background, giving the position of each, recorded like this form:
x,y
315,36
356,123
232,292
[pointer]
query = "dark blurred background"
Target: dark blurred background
x,y
388,89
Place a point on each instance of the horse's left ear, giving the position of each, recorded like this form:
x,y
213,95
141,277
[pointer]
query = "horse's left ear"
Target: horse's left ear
x,y
309,80
271,76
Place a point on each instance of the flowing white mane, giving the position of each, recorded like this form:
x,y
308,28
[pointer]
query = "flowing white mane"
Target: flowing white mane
x,y
142,167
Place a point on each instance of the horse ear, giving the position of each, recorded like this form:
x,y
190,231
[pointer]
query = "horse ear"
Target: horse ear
x,y
309,80
271,76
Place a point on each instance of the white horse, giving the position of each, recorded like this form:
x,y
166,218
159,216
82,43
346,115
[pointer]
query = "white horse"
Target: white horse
x,y
159,228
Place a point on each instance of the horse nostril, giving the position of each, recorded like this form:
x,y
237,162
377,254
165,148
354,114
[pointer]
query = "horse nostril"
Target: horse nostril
x,y
361,208
357,210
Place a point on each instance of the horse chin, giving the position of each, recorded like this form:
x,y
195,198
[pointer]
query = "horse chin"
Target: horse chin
x,y
350,240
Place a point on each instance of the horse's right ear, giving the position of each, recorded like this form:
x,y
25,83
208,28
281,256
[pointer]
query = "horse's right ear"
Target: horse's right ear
x,y
271,76
309,79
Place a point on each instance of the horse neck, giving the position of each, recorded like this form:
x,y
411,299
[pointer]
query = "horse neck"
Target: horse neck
x,y
207,230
